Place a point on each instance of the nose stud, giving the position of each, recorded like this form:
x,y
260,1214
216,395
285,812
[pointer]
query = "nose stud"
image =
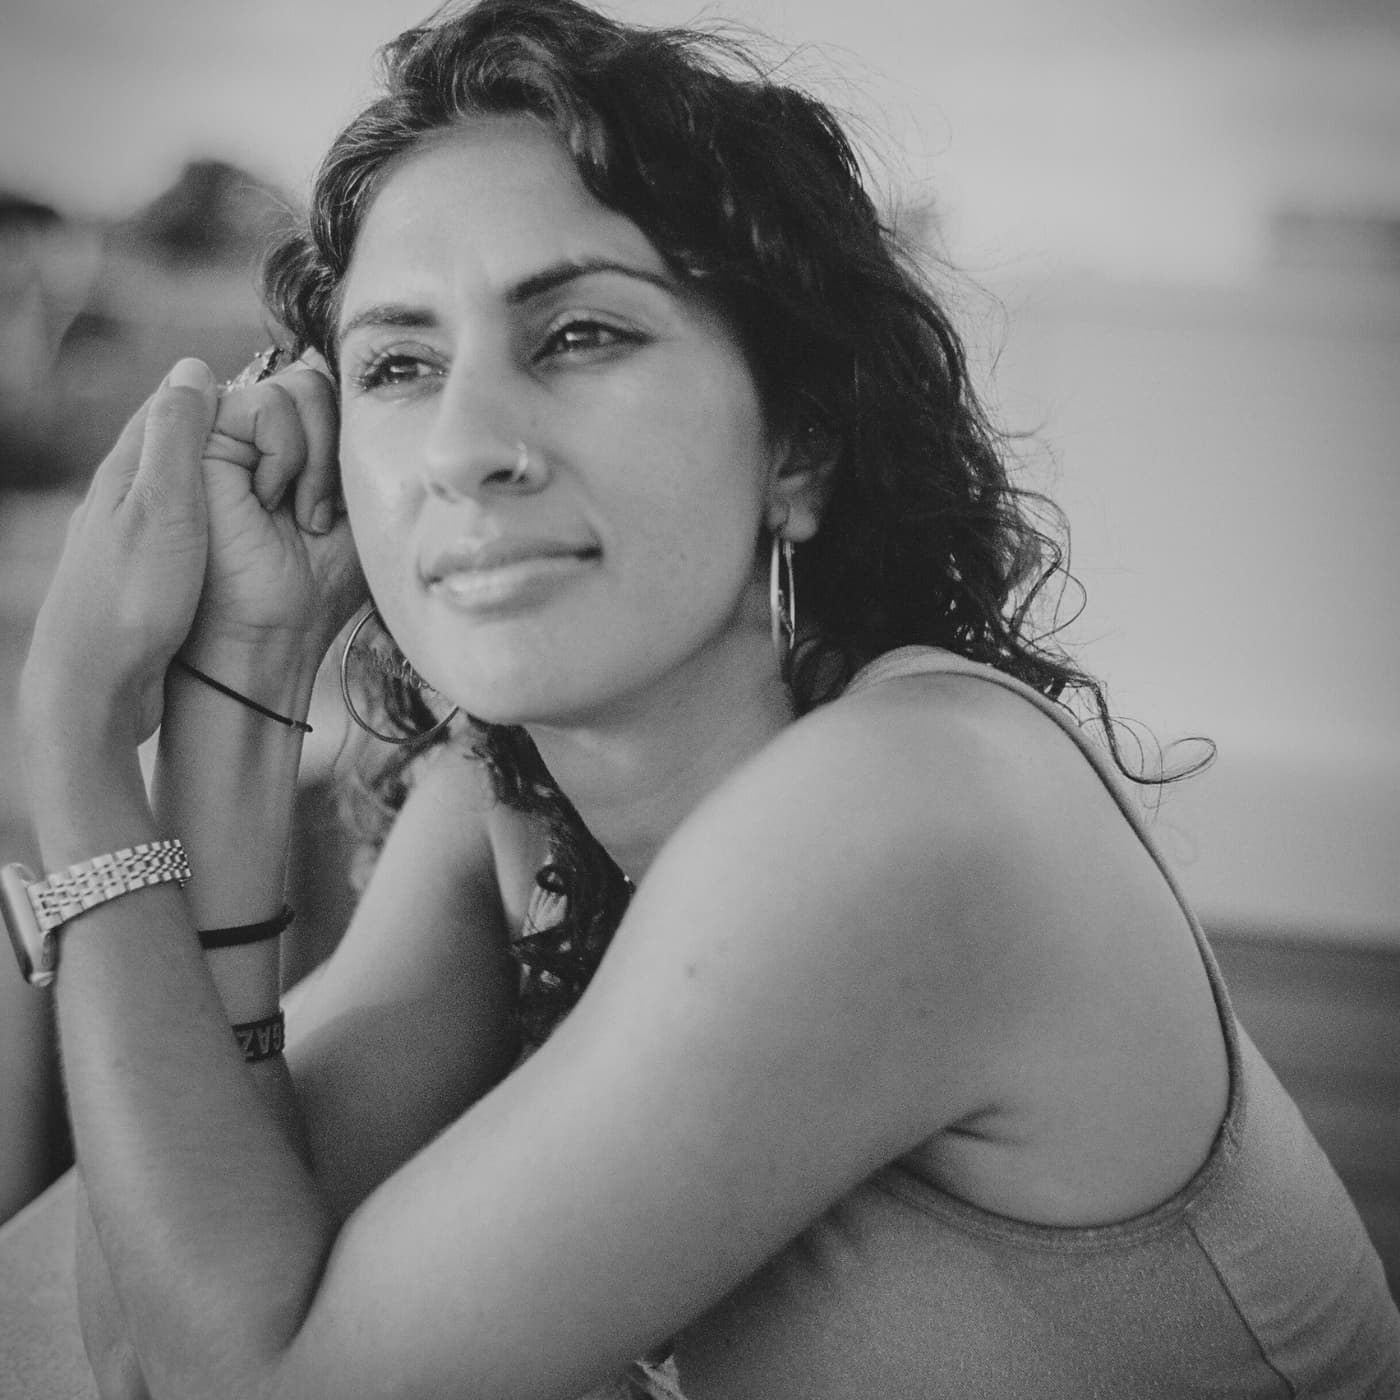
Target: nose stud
x,y
520,472
455,478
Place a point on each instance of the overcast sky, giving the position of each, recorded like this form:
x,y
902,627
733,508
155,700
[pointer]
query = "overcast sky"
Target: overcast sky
x,y
1135,138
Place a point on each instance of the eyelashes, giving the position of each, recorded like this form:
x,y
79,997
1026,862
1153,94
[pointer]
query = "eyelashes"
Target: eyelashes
x,y
395,369
584,333
581,339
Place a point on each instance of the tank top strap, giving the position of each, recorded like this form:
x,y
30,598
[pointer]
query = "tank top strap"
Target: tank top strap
x,y
934,661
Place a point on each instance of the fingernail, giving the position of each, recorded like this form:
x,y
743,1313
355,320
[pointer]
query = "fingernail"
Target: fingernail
x,y
322,518
191,374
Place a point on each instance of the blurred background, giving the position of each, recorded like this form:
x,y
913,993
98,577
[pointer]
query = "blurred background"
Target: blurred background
x,y
1171,233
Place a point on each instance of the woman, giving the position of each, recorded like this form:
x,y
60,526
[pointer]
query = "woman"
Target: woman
x,y
903,1072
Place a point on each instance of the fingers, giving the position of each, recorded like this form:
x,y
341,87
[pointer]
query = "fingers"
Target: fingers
x,y
318,486
284,431
177,422
260,430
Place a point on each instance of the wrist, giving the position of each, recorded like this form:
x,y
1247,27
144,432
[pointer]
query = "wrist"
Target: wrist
x,y
80,721
247,979
277,674
84,802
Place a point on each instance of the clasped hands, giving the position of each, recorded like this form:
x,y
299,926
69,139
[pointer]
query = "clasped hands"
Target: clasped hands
x,y
213,528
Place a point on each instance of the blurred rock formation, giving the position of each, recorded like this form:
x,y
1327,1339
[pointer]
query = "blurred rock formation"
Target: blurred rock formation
x,y
92,315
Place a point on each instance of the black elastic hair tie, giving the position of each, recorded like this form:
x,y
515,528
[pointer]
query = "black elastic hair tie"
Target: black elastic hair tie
x,y
241,934
242,699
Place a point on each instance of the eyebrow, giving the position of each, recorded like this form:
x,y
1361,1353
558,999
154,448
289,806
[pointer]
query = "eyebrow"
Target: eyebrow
x,y
560,274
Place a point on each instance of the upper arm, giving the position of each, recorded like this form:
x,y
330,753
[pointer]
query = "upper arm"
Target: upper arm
x,y
787,1005
408,1022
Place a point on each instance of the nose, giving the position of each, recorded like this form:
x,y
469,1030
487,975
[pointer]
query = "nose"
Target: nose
x,y
477,443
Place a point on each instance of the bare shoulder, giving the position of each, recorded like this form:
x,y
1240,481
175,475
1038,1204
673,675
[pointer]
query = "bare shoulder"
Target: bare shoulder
x,y
868,890
994,743
933,852
920,783
962,767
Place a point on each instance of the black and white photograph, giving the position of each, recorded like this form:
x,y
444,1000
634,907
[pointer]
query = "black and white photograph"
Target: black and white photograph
x,y
700,701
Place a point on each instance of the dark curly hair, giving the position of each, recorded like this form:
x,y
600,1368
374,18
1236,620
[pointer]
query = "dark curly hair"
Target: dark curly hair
x,y
751,192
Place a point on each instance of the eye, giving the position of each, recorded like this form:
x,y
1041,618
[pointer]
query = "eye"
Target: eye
x,y
391,371
581,334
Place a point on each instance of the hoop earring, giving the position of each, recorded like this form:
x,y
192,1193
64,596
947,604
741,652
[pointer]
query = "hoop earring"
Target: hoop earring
x,y
409,679
782,601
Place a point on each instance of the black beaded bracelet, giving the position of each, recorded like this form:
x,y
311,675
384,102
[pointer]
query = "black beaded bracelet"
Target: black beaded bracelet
x,y
261,1040
237,936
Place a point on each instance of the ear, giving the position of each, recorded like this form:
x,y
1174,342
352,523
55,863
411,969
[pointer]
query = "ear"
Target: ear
x,y
800,483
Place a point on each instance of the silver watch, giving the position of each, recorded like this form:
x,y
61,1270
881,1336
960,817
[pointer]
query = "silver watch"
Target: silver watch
x,y
33,909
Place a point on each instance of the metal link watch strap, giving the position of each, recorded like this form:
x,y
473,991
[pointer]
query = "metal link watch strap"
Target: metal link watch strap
x,y
66,894
32,909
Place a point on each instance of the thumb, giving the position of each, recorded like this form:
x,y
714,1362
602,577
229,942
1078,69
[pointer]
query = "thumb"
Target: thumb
x,y
178,421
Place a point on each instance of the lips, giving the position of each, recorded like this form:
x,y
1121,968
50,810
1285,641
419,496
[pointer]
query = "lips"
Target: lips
x,y
483,556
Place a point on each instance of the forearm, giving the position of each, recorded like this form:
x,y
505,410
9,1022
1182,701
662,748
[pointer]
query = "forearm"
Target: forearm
x,y
202,1206
226,777
105,1334
106,1339
225,780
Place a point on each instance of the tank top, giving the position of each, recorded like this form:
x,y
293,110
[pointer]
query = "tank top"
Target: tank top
x,y
1256,1279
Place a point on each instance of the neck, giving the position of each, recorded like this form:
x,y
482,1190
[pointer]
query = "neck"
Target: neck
x,y
635,778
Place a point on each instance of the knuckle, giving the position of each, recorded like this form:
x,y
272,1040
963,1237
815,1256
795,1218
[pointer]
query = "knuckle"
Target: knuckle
x,y
281,400
267,402
309,383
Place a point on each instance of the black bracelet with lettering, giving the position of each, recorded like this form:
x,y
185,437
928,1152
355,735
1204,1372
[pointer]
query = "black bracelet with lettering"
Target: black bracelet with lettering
x,y
261,1040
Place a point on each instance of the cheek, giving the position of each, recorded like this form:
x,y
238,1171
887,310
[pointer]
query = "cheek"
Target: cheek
x,y
698,522
705,448
379,506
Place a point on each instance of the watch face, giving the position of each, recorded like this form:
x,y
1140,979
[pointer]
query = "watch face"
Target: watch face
x,y
34,949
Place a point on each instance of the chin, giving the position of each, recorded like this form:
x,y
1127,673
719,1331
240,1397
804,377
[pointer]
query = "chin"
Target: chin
x,y
517,691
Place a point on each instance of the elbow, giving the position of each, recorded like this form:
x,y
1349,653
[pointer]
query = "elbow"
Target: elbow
x,y
115,1366
117,1373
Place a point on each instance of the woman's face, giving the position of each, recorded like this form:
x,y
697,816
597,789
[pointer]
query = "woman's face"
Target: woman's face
x,y
493,307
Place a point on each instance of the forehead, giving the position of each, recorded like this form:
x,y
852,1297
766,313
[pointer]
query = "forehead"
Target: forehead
x,y
477,208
